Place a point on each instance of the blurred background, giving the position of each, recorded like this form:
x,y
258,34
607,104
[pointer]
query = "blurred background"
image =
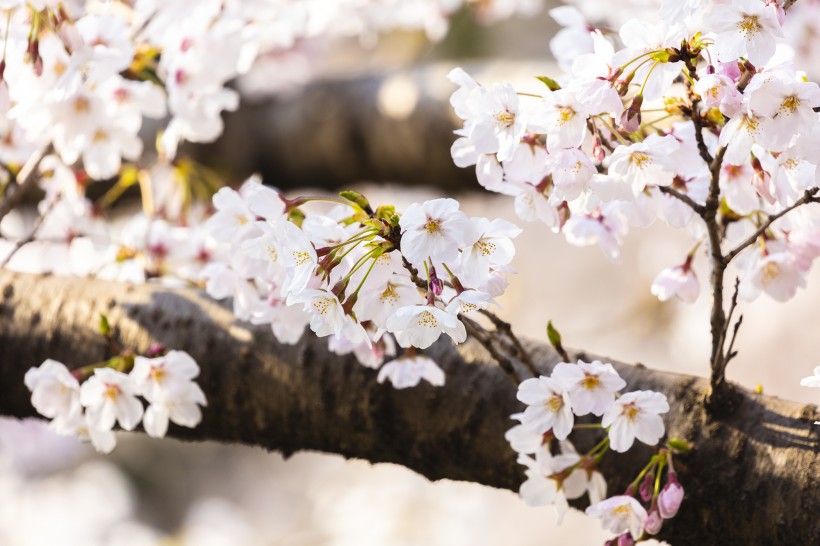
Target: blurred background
x,y
373,115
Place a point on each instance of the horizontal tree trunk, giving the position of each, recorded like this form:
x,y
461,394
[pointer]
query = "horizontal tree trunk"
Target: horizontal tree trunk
x,y
752,478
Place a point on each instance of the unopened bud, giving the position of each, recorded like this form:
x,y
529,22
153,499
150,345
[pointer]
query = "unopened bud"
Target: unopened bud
x,y
598,150
626,540
436,284
670,497
631,118
653,523
647,487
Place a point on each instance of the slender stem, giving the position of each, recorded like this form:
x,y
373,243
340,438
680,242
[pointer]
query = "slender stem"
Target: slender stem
x,y
699,209
613,130
25,179
506,328
475,330
648,74
808,197
31,236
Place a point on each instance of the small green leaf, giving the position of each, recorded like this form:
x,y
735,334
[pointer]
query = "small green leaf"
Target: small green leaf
x,y
357,198
679,445
105,328
296,216
551,84
553,335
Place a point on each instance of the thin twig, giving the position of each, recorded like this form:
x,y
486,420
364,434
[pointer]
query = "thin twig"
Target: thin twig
x,y
25,179
730,353
506,328
691,203
475,330
728,321
808,197
31,236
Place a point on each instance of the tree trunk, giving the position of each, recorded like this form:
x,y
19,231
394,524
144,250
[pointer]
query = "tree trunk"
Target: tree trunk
x,y
752,477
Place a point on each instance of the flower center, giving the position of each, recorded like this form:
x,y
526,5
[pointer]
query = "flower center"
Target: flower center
x,y
300,257
749,26
323,304
486,248
770,272
506,118
389,295
631,411
427,319
565,114
432,226
590,382
555,403
789,105
111,392
640,160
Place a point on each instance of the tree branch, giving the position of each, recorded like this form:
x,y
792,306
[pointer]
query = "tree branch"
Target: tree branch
x,y
752,478
25,179
808,197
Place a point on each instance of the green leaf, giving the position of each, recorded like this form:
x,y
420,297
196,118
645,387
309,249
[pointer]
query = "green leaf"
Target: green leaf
x,y
553,335
679,445
105,328
357,198
551,84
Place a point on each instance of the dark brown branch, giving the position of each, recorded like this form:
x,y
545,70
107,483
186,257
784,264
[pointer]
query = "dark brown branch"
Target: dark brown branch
x,y
698,208
808,197
752,478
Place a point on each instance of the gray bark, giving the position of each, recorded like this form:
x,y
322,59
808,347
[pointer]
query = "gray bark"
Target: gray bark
x,y
752,477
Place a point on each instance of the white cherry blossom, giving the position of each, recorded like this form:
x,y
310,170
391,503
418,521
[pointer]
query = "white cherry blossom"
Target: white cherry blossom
x,y
635,415
548,406
620,514
591,385
408,371
108,397
434,229
421,325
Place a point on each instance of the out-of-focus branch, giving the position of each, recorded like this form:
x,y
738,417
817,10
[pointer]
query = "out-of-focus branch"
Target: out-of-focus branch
x,y
25,180
761,461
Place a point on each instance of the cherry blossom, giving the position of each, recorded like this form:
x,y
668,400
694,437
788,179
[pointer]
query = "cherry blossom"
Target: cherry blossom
x,y
109,397
591,385
635,415
549,406
620,513
408,371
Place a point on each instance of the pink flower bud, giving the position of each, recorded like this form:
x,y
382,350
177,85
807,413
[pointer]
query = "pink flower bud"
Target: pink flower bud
x,y
647,487
731,70
670,498
436,284
626,540
631,118
653,523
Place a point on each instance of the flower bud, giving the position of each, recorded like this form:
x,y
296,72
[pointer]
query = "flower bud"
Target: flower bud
x,y
647,487
626,540
631,118
436,284
653,523
670,497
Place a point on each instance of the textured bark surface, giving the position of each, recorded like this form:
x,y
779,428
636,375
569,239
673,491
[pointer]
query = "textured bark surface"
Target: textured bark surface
x,y
753,477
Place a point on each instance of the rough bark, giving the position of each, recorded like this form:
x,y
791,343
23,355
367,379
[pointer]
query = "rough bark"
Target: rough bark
x,y
752,478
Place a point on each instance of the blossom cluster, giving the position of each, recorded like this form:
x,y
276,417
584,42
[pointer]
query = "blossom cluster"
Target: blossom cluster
x,y
640,123
108,396
553,403
368,279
